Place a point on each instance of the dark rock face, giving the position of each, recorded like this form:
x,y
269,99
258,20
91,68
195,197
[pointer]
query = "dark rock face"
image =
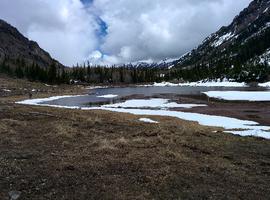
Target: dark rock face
x,y
249,30
13,45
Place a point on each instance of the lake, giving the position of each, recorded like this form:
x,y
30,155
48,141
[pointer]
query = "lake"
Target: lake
x,y
93,99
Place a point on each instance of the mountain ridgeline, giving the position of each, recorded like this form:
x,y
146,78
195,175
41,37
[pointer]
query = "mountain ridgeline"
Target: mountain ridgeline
x,y
24,58
239,51
14,46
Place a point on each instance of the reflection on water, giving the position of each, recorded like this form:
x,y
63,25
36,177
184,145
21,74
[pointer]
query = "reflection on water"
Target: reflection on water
x,y
92,100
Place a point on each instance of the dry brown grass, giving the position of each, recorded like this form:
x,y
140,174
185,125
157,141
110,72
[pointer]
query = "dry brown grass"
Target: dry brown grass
x,y
73,154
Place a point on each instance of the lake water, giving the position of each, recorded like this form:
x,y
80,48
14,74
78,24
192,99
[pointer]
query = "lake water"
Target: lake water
x,y
92,99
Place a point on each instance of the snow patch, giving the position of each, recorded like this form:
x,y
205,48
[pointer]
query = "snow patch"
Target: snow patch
x,y
265,57
96,87
267,84
147,120
151,103
239,95
6,90
39,102
108,96
222,39
231,125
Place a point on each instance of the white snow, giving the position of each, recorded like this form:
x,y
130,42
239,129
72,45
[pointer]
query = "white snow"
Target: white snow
x,y
265,57
267,84
38,102
257,133
222,39
231,125
240,95
217,83
168,60
6,90
108,96
96,87
151,103
147,120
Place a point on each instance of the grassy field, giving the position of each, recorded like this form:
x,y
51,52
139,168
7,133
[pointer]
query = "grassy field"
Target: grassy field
x,y
48,153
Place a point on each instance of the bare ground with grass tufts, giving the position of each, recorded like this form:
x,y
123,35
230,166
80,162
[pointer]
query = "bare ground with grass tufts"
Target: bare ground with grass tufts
x,y
48,153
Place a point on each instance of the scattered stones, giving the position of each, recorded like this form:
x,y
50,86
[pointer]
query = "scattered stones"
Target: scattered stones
x,y
14,195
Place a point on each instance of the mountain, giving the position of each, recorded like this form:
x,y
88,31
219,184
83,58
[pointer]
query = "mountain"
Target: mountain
x,y
235,49
166,63
14,46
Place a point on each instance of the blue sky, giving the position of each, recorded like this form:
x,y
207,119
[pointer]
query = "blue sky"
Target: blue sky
x,y
87,1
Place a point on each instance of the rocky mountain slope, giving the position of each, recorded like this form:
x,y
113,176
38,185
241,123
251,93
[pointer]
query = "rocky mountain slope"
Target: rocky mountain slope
x,y
14,46
245,42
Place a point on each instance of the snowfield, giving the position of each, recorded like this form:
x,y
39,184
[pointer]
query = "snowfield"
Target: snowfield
x,y
239,95
151,103
231,125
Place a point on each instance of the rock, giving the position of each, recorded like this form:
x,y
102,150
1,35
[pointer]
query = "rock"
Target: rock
x,y
14,195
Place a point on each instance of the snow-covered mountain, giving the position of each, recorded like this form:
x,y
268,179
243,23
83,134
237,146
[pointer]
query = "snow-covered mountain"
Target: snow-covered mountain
x,y
166,63
246,40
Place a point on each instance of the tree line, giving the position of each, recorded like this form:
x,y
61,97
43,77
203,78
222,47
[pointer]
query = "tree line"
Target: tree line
x,y
82,74
125,74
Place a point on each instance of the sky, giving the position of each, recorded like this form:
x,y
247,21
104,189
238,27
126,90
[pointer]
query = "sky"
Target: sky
x,y
118,31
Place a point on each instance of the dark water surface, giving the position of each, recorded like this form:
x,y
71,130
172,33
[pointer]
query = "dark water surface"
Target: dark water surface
x,y
124,92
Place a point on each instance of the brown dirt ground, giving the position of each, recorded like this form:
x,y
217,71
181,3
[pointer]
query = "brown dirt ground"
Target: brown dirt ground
x,y
48,153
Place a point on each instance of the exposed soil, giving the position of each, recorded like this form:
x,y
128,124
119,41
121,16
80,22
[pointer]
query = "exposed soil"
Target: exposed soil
x,y
48,153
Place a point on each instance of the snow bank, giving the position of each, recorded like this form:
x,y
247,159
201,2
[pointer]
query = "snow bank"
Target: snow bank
x,y
147,120
267,84
239,95
201,84
39,102
108,96
151,103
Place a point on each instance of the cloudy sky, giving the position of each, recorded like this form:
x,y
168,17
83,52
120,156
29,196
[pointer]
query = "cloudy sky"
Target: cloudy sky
x,y
118,31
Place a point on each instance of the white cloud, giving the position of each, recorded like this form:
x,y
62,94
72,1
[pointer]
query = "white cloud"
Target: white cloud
x,y
64,27
137,30
157,29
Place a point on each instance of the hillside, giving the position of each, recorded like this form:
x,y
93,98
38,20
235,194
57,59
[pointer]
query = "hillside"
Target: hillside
x,y
240,50
14,46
